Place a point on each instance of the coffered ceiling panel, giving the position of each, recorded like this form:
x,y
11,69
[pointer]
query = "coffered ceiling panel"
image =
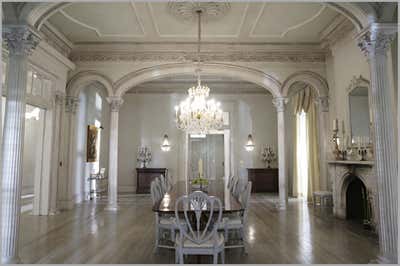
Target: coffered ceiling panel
x,y
242,22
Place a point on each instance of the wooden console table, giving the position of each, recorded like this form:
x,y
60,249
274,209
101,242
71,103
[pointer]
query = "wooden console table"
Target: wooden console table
x,y
263,179
144,176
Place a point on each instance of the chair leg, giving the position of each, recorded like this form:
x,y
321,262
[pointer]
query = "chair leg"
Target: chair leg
x,y
156,240
176,255
180,257
242,235
226,235
223,256
215,258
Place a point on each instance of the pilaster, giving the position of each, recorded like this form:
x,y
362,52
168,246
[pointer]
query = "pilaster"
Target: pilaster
x,y
280,104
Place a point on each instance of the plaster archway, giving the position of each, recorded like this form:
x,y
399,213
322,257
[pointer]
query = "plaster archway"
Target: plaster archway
x,y
161,71
82,79
313,79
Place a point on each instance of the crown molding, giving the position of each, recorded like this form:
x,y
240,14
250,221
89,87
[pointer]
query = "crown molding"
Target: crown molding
x,y
56,39
335,31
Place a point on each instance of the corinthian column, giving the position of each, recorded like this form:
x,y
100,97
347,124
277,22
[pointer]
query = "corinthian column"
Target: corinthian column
x,y
374,42
280,104
20,42
115,104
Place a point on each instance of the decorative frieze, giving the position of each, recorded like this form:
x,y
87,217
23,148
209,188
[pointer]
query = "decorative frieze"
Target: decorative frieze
x,y
20,40
176,56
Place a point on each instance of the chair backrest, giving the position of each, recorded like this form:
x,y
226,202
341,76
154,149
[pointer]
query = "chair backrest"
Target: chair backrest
x,y
230,182
155,192
235,180
207,214
244,199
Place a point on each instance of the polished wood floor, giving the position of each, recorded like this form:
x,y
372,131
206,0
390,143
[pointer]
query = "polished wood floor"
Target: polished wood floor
x,y
88,234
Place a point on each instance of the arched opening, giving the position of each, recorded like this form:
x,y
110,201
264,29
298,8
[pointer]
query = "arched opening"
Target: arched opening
x,y
92,141
356,200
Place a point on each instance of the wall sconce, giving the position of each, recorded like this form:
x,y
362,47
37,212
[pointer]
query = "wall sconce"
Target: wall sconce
x,y
250,144
165,145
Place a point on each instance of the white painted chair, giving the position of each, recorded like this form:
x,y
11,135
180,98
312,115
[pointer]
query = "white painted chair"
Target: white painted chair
x,y
238,222
230,182
199,238
233,185
161,223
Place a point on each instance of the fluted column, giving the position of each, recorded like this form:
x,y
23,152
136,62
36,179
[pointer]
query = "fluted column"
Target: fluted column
x,y
65,185
374,42
20,42
59,99
280,104
115,104
323,116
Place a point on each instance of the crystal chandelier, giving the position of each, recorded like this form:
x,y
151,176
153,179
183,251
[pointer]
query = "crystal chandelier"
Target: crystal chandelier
x,y
198,114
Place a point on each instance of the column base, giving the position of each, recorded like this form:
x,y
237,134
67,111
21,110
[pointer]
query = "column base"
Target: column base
x,y
111,207
54,212
385,259
11,260
281,205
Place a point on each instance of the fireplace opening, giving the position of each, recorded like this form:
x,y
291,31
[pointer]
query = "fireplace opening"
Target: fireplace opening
x,y
357,203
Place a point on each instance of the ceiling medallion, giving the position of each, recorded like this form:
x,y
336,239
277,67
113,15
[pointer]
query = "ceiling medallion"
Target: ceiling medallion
x,y
187,11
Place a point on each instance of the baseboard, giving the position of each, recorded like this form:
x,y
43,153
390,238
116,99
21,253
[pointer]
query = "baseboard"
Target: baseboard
x,y
127,188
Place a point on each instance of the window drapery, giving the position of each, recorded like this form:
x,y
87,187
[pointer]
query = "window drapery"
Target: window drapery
x,y
306,172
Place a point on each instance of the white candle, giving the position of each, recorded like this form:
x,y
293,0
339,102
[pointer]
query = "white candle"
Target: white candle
x,y
335,124
200,167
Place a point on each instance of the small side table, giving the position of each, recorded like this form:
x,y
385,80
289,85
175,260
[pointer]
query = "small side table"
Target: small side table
x,y
324,198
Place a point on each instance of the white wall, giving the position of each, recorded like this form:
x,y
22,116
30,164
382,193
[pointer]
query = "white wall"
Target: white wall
x,y
145,118
345,62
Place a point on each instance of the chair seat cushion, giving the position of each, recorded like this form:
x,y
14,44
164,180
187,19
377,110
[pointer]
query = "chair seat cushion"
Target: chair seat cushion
x,y
187,243
232,221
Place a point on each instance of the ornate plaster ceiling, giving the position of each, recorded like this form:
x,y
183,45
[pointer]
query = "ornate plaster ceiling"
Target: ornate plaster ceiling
x,y
237,22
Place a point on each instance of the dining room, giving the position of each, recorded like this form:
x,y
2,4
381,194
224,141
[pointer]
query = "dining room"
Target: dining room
x,y
165,132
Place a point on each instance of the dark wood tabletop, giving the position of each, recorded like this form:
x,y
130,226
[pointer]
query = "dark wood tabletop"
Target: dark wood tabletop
x,y
215,188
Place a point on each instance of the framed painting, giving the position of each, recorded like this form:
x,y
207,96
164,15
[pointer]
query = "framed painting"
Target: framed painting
x,y
91,144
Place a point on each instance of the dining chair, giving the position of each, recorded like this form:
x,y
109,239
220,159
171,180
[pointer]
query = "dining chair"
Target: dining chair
x,y
161,222
230,180
238,222
233,184
202,215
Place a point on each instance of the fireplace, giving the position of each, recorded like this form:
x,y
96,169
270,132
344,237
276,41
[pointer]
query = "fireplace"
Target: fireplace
x,y
354,192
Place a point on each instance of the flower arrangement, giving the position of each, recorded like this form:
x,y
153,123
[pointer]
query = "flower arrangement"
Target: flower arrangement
x,y
144,156
268,155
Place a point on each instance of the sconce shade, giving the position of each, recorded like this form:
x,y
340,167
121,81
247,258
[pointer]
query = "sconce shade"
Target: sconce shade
x,y
250,144
165,145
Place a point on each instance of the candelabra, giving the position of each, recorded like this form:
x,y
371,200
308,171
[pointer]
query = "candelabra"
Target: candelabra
x,y
268,155
144,156
340,154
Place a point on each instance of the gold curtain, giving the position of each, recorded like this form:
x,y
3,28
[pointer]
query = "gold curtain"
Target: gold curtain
x,y
304,101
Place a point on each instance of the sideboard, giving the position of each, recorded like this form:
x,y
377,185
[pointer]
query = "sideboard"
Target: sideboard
x,y
263,179
144,176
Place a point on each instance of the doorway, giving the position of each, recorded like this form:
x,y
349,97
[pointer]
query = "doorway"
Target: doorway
x,y
206,156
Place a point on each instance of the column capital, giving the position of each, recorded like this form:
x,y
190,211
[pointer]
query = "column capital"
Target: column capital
x,y
71,104
377,38
59,97
280,103
20,39
115,103
323,103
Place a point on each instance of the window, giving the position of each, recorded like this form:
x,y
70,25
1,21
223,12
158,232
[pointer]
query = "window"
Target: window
x,y
302,154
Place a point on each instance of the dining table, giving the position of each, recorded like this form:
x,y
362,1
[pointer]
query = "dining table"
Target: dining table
x,y
216,188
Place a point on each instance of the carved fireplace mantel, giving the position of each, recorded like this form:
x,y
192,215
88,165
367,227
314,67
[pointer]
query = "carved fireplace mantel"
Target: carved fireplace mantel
x,y
341,173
